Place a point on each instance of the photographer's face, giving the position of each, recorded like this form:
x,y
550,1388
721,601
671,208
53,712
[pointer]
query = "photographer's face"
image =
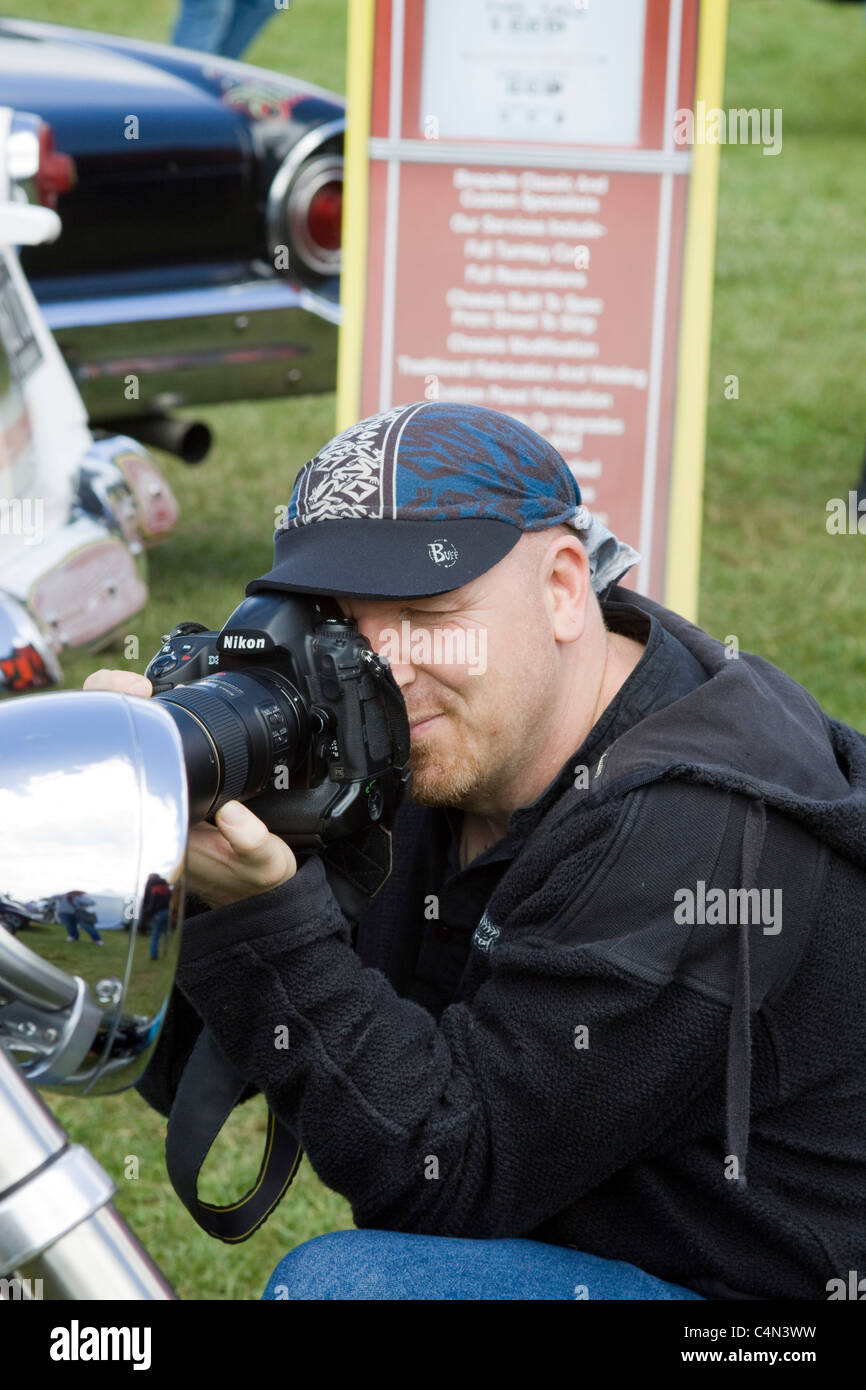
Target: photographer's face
x,y
480,674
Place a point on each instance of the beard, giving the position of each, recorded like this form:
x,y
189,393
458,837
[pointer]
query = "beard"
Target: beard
x,y
446,772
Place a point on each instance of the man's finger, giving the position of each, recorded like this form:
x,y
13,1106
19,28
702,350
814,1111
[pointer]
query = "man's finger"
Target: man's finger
x,y
236,858
121,682
247,835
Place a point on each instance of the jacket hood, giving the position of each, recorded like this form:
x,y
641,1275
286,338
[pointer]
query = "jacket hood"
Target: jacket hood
x,y
749,728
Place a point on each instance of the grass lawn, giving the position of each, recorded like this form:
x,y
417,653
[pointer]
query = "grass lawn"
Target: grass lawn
x,y
788,322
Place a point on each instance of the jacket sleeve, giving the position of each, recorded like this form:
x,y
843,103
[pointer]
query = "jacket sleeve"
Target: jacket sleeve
x,y
567,1064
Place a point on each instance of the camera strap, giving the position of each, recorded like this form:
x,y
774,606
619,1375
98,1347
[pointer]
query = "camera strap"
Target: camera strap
x,y
210,1088
356,868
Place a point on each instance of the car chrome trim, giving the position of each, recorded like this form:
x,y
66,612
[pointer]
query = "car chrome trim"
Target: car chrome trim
x,y
252,297
22,146
69,1189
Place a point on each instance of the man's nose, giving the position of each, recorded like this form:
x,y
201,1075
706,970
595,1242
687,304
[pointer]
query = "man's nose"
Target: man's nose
x,y
404,673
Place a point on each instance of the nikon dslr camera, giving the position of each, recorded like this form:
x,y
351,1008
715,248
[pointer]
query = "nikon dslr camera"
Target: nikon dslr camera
x,y
288,709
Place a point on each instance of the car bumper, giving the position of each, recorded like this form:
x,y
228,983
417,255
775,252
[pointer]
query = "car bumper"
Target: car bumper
x,y
145,353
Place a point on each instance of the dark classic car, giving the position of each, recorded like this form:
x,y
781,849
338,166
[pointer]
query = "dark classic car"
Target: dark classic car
x,y
177,225
200,251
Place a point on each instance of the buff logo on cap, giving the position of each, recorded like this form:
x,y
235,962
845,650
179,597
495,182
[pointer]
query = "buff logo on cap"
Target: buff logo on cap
x,y
442,553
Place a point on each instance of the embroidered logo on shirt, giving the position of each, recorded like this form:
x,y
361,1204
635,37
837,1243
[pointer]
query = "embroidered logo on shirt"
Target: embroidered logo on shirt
x,y
486,934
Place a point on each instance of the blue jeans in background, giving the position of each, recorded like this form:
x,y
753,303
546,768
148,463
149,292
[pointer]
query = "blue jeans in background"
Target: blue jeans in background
x,y
227,27
71,921
158,927
391,1265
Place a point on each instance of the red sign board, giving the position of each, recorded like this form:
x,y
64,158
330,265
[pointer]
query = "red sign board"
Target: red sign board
x,y
526,220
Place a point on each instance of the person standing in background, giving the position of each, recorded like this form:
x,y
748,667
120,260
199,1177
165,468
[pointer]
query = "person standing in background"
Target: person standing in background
x,y
227,27
74,910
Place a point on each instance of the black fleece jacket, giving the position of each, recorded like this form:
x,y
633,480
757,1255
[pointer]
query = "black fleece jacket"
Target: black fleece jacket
x,y
682,1090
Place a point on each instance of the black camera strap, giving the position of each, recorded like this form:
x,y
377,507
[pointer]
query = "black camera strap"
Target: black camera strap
x,y
357,868
210,1088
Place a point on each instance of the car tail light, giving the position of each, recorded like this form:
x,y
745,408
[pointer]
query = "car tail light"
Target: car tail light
x,y
32,161
157,509
27,662
55,173
325,216
315,204
305,207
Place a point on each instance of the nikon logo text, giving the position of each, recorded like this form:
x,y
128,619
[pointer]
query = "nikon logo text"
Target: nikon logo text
x,y
243,644
75,1343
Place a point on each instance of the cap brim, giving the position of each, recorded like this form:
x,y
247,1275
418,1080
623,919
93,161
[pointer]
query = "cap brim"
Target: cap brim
x,y
366,558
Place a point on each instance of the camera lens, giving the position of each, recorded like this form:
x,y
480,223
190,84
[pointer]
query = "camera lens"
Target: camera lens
x,y
238,732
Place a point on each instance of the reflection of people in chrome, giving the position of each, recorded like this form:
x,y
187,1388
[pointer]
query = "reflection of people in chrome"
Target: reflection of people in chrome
x,y
157,896
75,909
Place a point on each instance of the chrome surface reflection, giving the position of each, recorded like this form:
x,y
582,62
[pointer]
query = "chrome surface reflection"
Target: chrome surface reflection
x,y
93,828
27,661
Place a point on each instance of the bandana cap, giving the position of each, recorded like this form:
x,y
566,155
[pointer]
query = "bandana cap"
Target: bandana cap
x,y
423,498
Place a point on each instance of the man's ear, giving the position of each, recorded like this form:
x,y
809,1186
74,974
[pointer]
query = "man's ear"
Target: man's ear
x,y
568,587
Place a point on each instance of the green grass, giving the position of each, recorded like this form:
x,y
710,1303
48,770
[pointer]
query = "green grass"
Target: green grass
x,y
788,321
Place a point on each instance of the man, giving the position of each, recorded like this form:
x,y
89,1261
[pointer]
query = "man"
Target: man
x,y
621,949
76,910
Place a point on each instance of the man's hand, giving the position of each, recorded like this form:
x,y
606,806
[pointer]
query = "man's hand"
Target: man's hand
x,y
237,858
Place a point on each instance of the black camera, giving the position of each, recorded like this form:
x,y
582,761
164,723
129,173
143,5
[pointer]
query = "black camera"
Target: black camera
x,y
288,709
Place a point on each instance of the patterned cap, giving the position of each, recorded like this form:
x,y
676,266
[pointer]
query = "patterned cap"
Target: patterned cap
x,y
451,488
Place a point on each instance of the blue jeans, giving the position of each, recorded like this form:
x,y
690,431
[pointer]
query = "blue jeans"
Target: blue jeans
x,y
391,1265
72,922
159,925
227,27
